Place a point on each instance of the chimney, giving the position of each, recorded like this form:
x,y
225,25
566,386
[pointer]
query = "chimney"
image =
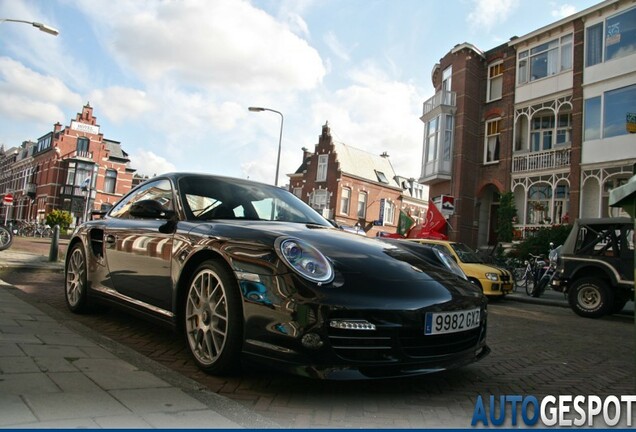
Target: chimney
x,y
306,153
57,127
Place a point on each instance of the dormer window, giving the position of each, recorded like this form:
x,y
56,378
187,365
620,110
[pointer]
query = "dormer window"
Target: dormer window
x,y
381,177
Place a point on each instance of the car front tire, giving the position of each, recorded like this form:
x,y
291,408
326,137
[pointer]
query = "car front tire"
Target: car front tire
x,y
213,319
76,281
590,297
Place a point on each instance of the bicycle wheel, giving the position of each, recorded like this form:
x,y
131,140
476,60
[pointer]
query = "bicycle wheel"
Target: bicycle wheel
x,y
520,277
6,238
530,286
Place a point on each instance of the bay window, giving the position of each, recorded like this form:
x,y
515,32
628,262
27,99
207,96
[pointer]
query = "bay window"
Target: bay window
x,y
611,39
545,60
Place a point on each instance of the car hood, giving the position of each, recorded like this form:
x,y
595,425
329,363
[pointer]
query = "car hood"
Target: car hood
x,y
373,262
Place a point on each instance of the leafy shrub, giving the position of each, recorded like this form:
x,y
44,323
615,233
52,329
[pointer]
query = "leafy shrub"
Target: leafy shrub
x,y
538,241
59,217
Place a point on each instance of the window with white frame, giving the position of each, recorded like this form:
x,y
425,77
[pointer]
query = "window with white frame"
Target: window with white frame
x,y
345,198
110,181
319,198
362,205
539,198
389,213
321,174
431,139
542,130
492,146
604,117
611,39
298,191
495,81
447,76
547,59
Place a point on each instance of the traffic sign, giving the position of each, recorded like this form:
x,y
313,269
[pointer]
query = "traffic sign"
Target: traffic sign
x,y
8,199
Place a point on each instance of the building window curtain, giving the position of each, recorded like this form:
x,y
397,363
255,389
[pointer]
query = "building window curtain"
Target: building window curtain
x,y
553,62
594,45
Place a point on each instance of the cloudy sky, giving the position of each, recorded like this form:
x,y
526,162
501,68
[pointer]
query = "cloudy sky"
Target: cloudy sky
x,y
172,80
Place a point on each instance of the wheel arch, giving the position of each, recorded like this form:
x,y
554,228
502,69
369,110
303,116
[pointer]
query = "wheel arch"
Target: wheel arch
x,y
186,272
596,271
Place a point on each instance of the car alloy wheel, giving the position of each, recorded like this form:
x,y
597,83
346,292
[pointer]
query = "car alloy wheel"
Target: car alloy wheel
x,y
213,319
75,282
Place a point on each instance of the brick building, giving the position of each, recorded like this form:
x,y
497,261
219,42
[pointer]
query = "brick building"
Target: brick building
x,y
355,187
65,166
542,116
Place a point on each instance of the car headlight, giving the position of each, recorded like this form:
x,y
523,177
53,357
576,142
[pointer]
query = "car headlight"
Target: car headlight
x,y
492,277
305,260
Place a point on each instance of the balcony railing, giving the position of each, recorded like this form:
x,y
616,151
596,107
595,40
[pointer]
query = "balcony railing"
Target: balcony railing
x,y
81,155
539,161
442,97
70,190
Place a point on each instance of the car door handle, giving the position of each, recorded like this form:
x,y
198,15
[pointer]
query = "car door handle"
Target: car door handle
x,y
110,239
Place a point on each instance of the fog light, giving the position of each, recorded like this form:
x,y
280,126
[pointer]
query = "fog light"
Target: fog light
x,y
352,324
312,341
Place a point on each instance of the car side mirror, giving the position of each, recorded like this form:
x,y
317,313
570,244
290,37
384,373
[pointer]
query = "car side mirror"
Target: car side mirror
x,y
150,209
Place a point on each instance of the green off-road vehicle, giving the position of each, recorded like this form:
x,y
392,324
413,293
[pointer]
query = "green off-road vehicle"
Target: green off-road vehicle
x,y
596,268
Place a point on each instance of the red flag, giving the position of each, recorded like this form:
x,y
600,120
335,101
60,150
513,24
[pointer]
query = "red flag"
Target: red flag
x,y
432,226
435,221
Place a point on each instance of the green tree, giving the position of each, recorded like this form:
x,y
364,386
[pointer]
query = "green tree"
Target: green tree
x,y
61,218
506,213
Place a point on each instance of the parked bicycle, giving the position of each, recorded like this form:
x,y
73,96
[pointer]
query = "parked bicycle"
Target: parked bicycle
x,y
529,275
33,229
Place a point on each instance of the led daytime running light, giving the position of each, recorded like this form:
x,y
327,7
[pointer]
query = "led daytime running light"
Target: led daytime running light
x,y
352,324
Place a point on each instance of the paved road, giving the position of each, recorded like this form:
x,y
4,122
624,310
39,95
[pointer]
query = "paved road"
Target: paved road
x,y
536,350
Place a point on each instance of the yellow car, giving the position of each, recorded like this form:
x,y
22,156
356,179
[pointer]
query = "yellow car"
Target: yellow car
x,y
493,281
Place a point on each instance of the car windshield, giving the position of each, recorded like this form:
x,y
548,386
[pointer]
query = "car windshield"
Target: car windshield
x,y
213,198
466,254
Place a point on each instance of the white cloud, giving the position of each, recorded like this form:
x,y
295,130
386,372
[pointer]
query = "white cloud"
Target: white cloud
x,y
207,44
377,114
27,94
119,103
149,163
564,10
487,13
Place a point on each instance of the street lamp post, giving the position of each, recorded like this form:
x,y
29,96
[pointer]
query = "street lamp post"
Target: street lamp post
x,y
42,27
280,137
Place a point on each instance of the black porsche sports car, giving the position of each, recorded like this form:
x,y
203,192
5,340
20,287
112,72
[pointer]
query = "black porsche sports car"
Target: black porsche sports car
x,y
249,272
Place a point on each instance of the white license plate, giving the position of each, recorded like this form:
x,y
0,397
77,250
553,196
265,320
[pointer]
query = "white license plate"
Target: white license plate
x,y
451,322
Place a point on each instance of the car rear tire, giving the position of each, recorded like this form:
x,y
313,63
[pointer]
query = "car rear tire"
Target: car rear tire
x,y
76,281
213,319
590,297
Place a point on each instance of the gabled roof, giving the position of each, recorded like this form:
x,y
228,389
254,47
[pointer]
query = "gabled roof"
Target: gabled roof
x,y
365,165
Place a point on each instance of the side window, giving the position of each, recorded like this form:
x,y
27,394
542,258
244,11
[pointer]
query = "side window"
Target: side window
x,y
160,191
